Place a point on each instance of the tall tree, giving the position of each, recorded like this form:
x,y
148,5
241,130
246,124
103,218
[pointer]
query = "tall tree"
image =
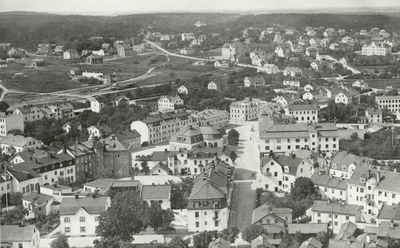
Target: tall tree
x,y
158,217
60,242
4,106
203,239
253,231
303,187
178,242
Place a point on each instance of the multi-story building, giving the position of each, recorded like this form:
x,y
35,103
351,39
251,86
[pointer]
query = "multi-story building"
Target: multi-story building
x,y
346,96
330,187
392,103
268,215
99,131
13,236
234,49
335,213
169,102
80,216
268,68
292,71
256,82
71,54
343,164
100,102
30,113
280,172
304,113
374,115
157,193
292,82
376,49
285,138
208,207
160,128
37,204
13,144
188,137
212,117
9,122
245,110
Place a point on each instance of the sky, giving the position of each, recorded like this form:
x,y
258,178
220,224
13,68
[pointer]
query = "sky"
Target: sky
x,y
112,7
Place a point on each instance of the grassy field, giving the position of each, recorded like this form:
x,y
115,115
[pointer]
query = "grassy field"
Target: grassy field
x,y
380,83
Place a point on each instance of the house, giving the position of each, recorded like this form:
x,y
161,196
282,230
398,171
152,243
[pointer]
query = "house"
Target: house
x,y
309,87
138,48
58,111
267,215
37,63
318,137
124,50
71,54
347,39
99,131
119,186
80,216
311,243
336,213
255,82
160,169
188,137
12,144
99,52
268,68
100,102
292,71
292,82
375,49
212,117
220,243
28,236
188,88
94,59
233,49
347,231
363,32
209,199
330,187
29,113
312,51
37,204
221,64
212,86
101,186
157,193
150,128
169,102
186,50
187,36
30,154
244,110
265,241
280,171
389,213
343,164
346,96
304,113
374,115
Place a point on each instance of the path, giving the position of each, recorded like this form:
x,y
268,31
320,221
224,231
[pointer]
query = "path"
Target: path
x,y
172,54
242,205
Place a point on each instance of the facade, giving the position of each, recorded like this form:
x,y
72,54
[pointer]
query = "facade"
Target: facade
x,y
208,207
268,68
188,137
71,54
392,103
292,71
245,110
94,59
280,172
336,213
12,144
99,131
376,49
267,215
9,122
212,117
346,96
169,102
374,115
281,138
160,128
233,49
28,236
157,193
343,164
80,216
304,113
29,113
330,187
100,102
37,204
292,82
255,82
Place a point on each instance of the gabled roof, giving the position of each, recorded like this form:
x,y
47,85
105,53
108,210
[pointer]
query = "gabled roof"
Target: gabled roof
x,y
307,228
311,243
25,233
156,192
219,243
266,209
160,166
16,140
204,189
347,230
326,181
101,183
389,212
335,207
69,206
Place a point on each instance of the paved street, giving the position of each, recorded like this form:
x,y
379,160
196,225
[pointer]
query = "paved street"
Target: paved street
x,y
242,205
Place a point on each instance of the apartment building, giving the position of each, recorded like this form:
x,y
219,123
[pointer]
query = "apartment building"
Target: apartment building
x,y
212,117
304,113
335,213
79,216
169,102
285,138
29,113
188,137
343,164
376,49
330,187
279,171
268,215
9,122
209,201
13,144
160,128
245,110
392,103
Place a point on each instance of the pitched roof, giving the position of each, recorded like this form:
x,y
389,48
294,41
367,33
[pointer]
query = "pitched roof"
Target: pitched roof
x,y
347,230
265,241
101,183
326,181
389,212
125,183
307,228
16,140
297,130
335,207
69,206
25,233
160,166
156,191
385,229
344,158
266,209
219,243
157,119
311,243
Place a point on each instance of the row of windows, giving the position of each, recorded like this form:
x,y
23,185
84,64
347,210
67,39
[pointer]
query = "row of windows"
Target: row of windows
x,y
297,147
267,141
81,219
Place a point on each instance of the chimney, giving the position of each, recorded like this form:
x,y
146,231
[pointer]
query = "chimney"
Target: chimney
x,y
368,174
378,176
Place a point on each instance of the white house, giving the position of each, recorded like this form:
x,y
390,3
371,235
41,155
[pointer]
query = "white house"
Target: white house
x,y
12,144
169,102
80,216
16,236
157,193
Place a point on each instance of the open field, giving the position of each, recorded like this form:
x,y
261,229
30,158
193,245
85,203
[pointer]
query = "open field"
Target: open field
x,y
380,83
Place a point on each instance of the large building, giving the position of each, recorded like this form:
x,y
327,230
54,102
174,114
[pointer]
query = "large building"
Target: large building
x,y
80,216
13,144
285,138
160,128
392,103
304,113
188,137
169,102
9,122
208,207
376,49
212,117
343,164
245,110
15,236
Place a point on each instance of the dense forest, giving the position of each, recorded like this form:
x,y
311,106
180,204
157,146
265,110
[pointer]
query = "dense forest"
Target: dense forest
x,y
27,29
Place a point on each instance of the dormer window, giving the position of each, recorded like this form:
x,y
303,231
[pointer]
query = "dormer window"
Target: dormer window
x,y
333,166
286,169
344,167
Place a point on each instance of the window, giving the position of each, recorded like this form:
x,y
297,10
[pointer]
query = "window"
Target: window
x,y
197,224
20,245
67,229
82,219
319,214
266,147
55,173
393,196
216,223
83,229
45,177
278,147
347,217
336,216
66,219
336,223
275,174
196,214
97,219
297,140
205,223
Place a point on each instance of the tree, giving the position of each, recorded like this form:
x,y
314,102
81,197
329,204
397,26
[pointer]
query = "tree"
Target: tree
x,y
323,238
126,216
4,106
354,136
159,217
180,193
60,242
253,231
145,167
233,137
230,234
16,199
203,239
233,156
13,216
303,188
178,242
